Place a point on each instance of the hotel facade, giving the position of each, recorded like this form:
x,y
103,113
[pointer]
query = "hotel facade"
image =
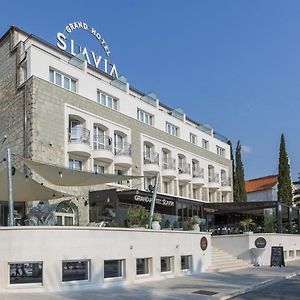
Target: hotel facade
x,y
62,108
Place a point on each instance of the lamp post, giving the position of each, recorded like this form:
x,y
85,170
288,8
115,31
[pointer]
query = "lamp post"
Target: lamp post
x,y
11,221
153,200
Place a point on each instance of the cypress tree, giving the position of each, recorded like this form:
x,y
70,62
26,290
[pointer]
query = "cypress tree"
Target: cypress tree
x,y
239,175
284,193
235,191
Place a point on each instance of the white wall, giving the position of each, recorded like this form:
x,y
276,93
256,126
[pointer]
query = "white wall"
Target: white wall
x,y
51,245
89,82
241,245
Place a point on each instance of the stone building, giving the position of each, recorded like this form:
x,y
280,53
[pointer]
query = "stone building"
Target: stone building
x,y
74,110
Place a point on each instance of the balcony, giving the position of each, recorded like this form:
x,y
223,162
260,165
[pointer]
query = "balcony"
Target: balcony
x,y
226,184
79,141
123,155
151,162
184,172
198,176
169,168
102,148
214,181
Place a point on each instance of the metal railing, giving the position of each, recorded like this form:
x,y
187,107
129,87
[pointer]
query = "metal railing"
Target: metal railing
x,y
123,150
153,158
226,181
184,168
214,178
102,142
79,135
169,164
198,173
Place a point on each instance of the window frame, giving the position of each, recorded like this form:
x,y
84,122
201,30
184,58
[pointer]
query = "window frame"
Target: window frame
x,y
24,284
193,136
104,99
63,76
142,115
205,144
123,270
220,151
66,282
172,129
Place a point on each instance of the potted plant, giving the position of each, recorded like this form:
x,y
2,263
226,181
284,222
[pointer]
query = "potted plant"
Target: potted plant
x,y
195,221
247,223
156,219
137,216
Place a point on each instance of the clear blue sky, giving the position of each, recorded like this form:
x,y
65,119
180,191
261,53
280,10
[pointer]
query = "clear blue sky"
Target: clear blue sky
x,y
233,64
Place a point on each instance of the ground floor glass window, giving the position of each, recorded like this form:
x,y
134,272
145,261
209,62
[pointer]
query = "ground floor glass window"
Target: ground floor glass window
x,y
186,262
166,264
26,273
75,270
113,268
142,266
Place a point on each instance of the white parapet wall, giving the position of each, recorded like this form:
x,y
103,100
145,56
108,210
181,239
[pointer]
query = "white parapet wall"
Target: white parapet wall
x,y
243,246
51,246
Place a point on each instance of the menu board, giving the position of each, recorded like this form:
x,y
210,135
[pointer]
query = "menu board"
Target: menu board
x,y
277,258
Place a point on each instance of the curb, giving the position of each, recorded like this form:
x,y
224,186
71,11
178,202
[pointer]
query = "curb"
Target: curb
x,y
257,286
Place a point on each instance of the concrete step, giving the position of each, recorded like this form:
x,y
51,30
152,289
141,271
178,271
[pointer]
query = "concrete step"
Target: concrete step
x,y
223,261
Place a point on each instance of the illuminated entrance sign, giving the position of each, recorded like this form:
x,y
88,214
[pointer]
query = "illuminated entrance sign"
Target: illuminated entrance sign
x,y
69,45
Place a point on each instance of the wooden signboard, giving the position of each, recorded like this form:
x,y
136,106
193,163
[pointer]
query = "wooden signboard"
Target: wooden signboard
x,y
203,243
277,258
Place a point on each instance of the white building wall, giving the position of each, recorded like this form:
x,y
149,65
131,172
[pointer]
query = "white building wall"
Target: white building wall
x,y
23,244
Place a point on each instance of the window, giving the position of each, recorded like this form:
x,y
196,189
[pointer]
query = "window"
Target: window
x,y
119,143
186,262
143,266
113,268
107,100
26,272
166,187
75,270
99,138
64,214
205,144
172,129
75,164
62,80
220,151
193,139
181,190
99,169
144,117
166,264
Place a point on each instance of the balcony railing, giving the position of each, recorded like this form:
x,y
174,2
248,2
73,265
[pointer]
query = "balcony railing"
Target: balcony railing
x,y
102,142
169,164
123,150
226,181
184,168
213,178
79,135
198,173
153,158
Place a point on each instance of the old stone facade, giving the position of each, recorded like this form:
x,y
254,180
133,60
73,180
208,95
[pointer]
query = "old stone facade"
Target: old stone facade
x,y
33,116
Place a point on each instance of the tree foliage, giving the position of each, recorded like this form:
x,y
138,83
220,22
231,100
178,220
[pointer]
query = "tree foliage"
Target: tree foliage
x,y
239,187
285,193
235,192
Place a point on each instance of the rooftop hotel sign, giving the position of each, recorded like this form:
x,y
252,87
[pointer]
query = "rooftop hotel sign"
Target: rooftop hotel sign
x,y
69,45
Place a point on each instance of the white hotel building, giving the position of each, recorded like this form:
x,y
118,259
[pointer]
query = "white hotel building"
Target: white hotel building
x,y
58,109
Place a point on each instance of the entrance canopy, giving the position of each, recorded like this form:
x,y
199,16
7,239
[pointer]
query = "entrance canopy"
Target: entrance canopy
x,y
25,188
62,176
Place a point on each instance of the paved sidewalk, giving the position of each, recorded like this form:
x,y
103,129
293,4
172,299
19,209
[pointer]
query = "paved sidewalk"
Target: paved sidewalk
x,y
225,285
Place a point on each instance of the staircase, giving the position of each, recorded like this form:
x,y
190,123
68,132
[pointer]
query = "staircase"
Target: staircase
x,y
222,261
